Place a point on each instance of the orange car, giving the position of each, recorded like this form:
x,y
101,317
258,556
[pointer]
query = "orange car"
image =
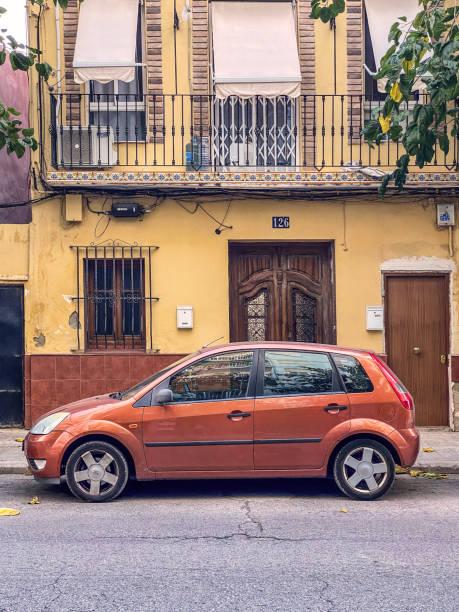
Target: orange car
x,y
245,410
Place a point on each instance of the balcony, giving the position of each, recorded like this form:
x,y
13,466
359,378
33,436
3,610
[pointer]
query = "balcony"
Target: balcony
x,y
188,140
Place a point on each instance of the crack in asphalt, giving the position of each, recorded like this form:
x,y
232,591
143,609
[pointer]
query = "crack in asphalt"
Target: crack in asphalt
x,y
55,587
251,520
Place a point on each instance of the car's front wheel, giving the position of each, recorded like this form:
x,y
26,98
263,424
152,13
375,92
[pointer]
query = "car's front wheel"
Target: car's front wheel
x,y
96,471
364,469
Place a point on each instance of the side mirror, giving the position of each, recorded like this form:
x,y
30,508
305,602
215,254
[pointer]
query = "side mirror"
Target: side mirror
x,y
163,396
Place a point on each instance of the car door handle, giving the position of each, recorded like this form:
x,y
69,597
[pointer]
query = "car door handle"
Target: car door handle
x,y
334,407
238,415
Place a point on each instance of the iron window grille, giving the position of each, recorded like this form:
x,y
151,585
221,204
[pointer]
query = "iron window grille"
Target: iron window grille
x,y
114,296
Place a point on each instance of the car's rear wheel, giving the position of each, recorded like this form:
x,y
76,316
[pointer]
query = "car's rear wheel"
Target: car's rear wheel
x,y
96,471
364,469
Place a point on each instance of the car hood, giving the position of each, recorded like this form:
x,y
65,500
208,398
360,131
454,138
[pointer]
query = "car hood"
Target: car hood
x,y
89,403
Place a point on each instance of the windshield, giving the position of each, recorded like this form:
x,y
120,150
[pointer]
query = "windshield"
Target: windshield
x,y
128,393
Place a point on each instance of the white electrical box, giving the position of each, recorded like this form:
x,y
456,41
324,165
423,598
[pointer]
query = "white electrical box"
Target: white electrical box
x,y
445,214
375,319
185,317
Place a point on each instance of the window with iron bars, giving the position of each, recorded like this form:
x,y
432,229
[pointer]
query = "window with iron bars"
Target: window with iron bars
x,y
114,297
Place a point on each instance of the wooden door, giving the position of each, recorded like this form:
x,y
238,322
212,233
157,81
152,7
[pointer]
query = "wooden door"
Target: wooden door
x,y
417,324
282,292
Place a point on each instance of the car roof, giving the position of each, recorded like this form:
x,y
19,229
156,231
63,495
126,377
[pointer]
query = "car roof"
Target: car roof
x,y
309,346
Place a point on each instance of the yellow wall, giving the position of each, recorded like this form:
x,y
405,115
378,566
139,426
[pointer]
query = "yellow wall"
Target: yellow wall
x,y
14,252
191,265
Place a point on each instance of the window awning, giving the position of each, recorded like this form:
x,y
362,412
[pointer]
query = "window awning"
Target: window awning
x,y
381,16
106,41
255,49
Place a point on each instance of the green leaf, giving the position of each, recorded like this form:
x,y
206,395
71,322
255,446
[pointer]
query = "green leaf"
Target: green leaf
x,y
13,111
2,57
44,70
443,141
26,132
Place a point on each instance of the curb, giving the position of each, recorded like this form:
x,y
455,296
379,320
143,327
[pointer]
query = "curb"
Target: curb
x,y
13,469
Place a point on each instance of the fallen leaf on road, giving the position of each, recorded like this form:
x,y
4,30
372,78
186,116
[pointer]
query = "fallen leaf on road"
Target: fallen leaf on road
x,y
27,473
401,470
8,512
19,439
428,450
343,510
420,473
34,500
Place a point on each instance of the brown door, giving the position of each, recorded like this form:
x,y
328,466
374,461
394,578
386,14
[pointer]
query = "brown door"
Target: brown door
x,y
417,323
282,292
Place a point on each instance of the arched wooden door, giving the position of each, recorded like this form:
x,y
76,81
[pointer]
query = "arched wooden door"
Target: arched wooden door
x,y
282,292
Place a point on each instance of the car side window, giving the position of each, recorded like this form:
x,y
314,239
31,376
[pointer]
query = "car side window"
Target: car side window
x,y
355,378
296,373
220,377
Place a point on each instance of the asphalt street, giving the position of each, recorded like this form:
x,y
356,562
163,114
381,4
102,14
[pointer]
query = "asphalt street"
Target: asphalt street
x,y
231,545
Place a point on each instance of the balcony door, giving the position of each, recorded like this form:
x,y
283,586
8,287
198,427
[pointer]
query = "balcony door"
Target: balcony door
x,y
255,132
282,292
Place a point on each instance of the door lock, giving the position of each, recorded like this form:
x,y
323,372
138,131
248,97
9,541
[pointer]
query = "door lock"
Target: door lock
x,y
442,359
417,350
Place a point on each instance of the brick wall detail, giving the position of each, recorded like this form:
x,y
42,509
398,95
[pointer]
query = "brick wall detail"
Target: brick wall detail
x,y
201,51
306,44
355,59
153,54
54,380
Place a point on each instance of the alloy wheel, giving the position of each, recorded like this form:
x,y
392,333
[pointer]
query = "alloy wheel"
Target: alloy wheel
x,y
365,470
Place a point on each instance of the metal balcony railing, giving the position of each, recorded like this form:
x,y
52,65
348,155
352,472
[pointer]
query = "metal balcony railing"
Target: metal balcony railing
x,y
203,133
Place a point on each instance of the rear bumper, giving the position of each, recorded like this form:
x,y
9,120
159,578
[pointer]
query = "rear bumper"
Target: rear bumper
x,y
50,447
406,441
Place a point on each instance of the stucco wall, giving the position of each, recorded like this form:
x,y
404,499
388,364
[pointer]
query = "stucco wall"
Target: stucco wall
x,y
191,265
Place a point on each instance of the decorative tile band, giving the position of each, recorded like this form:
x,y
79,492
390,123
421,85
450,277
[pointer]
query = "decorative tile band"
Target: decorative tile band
x,y
277,179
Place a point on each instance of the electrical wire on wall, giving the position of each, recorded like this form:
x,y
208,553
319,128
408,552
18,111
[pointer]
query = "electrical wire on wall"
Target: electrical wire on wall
x,y
198,206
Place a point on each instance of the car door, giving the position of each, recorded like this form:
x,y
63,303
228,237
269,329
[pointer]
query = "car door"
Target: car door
x,y
209,424
299,401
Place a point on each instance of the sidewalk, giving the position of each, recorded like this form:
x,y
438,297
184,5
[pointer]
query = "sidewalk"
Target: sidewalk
x,y
443,460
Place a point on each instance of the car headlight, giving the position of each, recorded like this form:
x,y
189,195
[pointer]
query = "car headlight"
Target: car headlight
x,y
46,425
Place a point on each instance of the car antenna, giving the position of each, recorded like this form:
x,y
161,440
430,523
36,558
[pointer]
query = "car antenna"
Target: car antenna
x,y
212,341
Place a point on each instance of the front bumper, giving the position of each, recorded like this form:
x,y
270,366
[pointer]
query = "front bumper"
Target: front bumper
x,y
50,447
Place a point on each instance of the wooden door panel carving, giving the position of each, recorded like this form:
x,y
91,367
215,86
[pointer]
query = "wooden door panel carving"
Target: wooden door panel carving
x,y
282,292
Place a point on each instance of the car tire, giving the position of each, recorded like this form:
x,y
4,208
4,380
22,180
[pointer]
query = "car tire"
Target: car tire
x,y
96,471
364,469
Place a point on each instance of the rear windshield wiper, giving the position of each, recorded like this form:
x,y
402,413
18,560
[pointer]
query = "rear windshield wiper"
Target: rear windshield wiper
x,y
117,395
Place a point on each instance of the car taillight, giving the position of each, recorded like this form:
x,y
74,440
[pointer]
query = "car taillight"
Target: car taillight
x,y
403,395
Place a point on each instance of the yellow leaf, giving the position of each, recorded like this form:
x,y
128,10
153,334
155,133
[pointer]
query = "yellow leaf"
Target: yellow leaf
x,y
401,470
415,473
34,500
8,512
343,510
384,122
407,65
428,450
395,94
19,439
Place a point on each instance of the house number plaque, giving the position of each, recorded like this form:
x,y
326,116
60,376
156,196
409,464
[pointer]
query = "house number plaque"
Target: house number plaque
x,y
281,222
